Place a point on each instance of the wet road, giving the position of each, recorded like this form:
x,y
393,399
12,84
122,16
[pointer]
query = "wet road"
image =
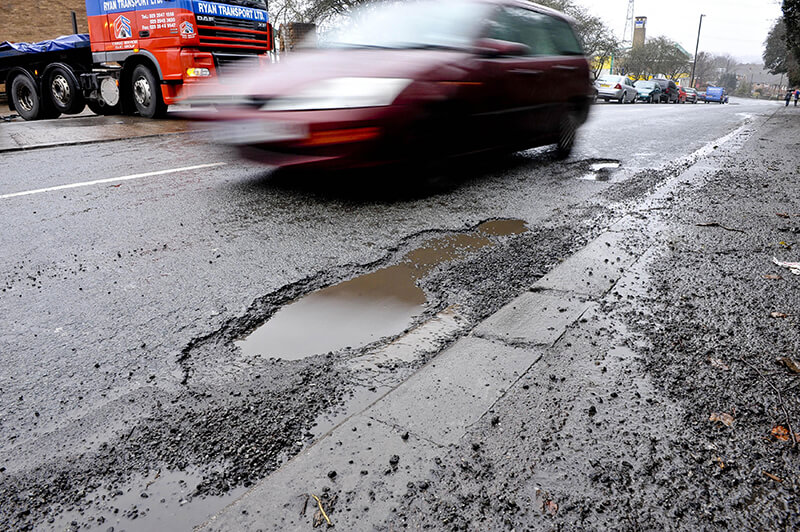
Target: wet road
x,y
131,267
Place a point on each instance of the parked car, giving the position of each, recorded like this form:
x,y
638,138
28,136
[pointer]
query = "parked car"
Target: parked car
x,y
716,94
648,91
618,88
419,80
669,90
681,94
701,96
692,95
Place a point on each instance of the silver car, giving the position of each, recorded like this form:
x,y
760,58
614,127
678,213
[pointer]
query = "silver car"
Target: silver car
x,y
619,88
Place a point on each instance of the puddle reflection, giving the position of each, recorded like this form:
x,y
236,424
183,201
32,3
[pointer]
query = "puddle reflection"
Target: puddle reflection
x,y
362,310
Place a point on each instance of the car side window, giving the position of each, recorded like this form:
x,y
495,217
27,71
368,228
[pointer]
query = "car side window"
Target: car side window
x,y
526,27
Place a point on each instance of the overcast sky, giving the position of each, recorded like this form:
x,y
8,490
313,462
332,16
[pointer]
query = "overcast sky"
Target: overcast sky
x,y
736,27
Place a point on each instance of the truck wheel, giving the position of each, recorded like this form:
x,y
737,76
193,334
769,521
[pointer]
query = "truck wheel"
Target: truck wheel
x,y
26,98
99,108
63,91
146,93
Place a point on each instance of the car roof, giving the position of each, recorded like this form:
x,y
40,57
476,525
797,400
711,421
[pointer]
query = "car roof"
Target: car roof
x,y
530,5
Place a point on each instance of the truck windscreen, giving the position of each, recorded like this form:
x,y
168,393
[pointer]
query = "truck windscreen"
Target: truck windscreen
x,y
255,4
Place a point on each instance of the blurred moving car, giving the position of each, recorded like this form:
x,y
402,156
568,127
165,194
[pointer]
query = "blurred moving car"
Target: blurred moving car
x,y
648,91
691,95
414,82
669,90
619,88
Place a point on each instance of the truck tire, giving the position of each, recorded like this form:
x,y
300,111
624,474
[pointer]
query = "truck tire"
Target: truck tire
x,y
27,101
146,93
62,90
101,109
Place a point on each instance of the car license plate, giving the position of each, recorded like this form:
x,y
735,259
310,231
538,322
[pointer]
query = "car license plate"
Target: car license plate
x,y
239,132
605,85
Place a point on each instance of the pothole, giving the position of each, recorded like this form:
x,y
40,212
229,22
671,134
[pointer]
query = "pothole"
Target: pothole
x,y
363,310
600,170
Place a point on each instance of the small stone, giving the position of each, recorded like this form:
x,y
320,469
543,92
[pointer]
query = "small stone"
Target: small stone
x,y
404,436
331,474
394,460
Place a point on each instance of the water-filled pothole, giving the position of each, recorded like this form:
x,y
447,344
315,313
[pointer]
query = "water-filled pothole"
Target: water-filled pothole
x,y
363,310
601,170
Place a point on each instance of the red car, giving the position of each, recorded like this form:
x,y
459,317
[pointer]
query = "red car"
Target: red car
x,y
414,81
681,95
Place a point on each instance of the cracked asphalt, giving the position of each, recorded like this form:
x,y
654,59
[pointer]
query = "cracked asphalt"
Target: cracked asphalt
x,y
124,400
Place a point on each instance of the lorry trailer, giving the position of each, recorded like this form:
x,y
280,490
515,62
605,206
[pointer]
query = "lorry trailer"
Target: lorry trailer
x,y
139,57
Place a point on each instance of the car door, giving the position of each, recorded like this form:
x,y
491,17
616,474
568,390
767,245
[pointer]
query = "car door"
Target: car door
x,y
517,80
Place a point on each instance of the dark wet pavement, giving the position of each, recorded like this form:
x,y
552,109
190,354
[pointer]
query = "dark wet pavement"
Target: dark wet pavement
x,y
122,301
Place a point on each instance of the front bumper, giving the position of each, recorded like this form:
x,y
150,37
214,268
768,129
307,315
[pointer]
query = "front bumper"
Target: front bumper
x,y
329,139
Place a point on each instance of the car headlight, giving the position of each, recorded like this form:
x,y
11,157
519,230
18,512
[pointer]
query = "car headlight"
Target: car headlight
x,y
340,93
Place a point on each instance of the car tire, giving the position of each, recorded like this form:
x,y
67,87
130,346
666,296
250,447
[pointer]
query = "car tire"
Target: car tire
x,y
566,135
622,98
146,93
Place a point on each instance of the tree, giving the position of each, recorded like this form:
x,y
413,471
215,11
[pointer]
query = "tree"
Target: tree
x,y
791,19
779,57
704,68
599,42
657,57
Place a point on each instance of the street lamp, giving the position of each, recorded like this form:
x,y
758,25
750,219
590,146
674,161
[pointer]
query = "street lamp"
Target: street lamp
x,y
697,47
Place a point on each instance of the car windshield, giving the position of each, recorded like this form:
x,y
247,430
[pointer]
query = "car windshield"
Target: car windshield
x,y
645,84
426,24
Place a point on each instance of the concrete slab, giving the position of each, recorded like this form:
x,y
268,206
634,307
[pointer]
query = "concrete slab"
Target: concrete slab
x,y
442,400
366,485
593,270
18,134
534,318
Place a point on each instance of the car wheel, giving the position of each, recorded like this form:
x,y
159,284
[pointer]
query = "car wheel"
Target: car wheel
x,y
622,98
566,135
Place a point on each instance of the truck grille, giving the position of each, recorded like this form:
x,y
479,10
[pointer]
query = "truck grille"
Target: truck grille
x,y
233,35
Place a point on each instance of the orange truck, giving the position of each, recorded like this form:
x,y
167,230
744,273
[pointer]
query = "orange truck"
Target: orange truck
x,y
139,57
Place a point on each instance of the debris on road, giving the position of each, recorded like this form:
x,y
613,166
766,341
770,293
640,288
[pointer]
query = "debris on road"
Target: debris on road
x,y
794,267
790,364
779,314
717,224
772,477
772,277
719,364
318,517
724,418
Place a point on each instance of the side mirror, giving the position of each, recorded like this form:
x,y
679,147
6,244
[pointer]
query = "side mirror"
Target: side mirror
x,y
498,48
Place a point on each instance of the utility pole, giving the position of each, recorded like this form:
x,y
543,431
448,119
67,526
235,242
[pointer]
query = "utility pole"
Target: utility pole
x,y
696,48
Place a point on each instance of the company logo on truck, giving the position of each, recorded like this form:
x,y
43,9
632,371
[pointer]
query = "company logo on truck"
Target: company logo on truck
x,y
122,27
223,10
187,29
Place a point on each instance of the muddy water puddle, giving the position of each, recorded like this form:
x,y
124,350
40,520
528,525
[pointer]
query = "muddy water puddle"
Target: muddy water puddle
x,y
363,310
601,171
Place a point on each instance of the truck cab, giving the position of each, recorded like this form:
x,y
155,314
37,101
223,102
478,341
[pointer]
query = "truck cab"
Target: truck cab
x,y
182,43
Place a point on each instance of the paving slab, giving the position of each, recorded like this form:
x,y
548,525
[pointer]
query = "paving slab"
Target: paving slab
x,y
354,464
441,401
593,270
534,318
18,134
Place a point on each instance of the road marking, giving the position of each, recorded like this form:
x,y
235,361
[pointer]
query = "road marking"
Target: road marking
x,y
110,180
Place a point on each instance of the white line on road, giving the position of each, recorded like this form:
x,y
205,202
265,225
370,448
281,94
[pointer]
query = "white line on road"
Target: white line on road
x,y
110,180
